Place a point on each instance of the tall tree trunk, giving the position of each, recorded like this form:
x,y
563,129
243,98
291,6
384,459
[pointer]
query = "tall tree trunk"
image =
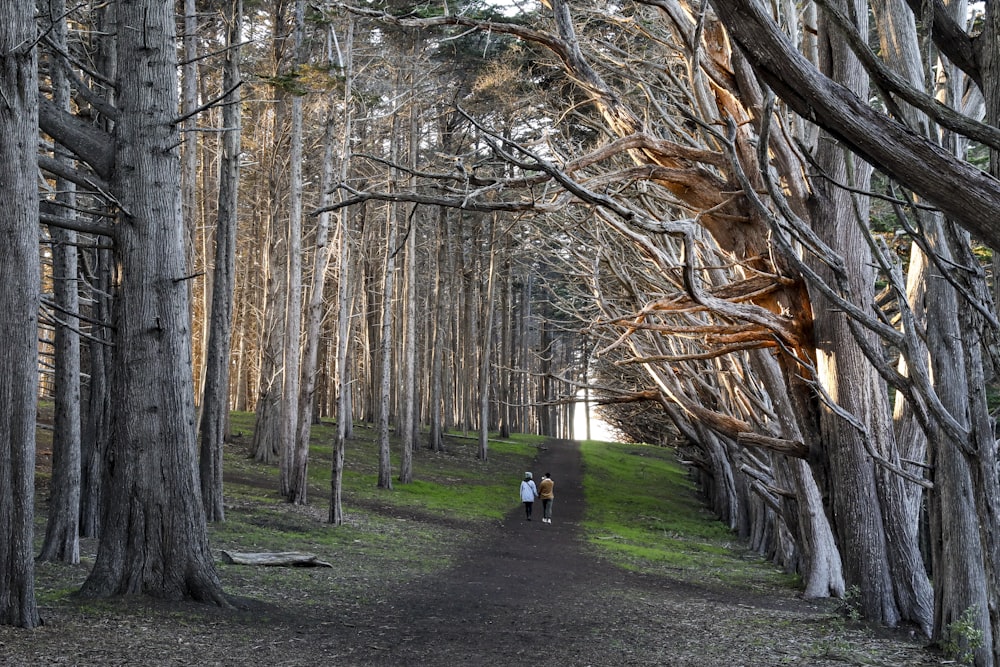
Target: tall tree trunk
x,y
293,489
314,319
154,540
506,362
62,530
267,431
96,432
19,300
215,401
344,410
189,170
881,559
385,345
435,440
96,436
485,350
410,419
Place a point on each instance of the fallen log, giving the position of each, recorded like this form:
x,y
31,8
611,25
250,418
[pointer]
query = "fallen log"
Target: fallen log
x,y
275,559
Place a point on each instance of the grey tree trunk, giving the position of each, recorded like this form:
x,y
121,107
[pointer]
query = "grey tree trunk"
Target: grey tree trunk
x,y
844,370
410,423
19,299
435,440
154,540
267,431
62,530
293,487
344,411
822,565
881,557
215,400
189,166
385,366
485,353
97,429
314,320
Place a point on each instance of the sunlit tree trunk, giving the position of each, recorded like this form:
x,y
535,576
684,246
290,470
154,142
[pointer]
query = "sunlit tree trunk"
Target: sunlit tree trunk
x,y
887,570
410,419
485,351
386,360
436,340
344,410
189,175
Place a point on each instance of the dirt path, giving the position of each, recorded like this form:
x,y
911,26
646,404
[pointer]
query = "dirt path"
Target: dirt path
x,y
512,595
521,593
530,593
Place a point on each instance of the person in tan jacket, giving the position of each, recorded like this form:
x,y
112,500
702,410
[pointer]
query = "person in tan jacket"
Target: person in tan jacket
x,y
545,493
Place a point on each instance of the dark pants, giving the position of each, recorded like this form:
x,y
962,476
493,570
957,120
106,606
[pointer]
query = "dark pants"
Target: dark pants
x,y
527,509
546,508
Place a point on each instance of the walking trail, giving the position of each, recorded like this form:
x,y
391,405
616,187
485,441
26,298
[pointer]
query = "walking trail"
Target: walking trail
x,y
532,593
520,593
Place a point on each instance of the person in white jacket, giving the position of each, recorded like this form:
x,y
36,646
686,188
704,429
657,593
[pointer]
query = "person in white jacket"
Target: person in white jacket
x,y
528,494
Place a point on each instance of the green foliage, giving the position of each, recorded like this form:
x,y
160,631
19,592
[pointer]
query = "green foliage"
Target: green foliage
x,y
643,514
308,79
963,637
851,604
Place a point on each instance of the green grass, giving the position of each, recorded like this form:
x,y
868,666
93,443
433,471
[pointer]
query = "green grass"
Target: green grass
x,y
643,513
452,485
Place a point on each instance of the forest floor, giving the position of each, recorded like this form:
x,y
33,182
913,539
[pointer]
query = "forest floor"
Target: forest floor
x,y
508,592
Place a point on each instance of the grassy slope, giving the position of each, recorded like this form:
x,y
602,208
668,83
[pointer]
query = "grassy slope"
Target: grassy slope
x,y
642,511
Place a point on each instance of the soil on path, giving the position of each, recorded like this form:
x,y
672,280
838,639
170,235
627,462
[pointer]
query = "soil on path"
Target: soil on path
x,y
520,593
532,593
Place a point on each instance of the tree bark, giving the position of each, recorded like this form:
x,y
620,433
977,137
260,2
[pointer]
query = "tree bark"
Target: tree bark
x,y
267,431
436,340
385,363
345,418
485,351
19,300
154,539
62,530
293,462
909,158
96,433
314,321
215,400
